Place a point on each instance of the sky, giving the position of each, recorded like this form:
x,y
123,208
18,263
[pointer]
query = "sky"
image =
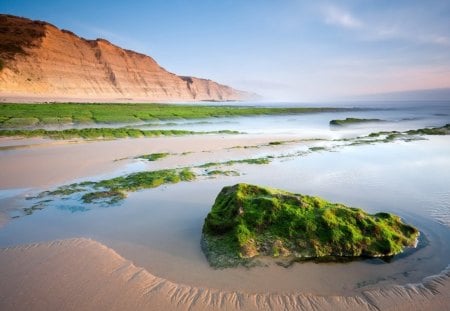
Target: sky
x,y
281,49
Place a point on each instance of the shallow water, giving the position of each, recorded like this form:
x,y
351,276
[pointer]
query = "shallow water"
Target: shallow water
x,y
398,116
160,229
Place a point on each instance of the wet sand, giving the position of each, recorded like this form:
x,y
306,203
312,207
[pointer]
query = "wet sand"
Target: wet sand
x,y
46,163
82,274
85,274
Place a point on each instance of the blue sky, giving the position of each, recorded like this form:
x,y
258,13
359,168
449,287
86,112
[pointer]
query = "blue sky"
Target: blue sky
x,y
281,49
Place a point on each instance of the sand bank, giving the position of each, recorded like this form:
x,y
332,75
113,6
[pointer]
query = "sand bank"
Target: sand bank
x,y
82,274
49,163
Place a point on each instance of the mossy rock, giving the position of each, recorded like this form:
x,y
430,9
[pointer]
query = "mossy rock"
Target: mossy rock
x,y
247,221
349,121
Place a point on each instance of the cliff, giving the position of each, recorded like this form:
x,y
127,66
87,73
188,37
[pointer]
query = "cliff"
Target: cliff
x,y
40,61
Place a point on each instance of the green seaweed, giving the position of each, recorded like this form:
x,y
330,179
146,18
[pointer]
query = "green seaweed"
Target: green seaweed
x,y
55,113
103,133
407,135
111,191
154,156
223,173
109,196
247,221
276,143
349,121
258,161
145,180
67,190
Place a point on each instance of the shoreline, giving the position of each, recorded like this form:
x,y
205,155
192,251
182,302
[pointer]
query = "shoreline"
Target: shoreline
x,y
104,280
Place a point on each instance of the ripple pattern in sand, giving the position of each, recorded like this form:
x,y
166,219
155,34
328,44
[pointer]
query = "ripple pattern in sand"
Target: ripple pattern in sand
x,y
103,280
440,210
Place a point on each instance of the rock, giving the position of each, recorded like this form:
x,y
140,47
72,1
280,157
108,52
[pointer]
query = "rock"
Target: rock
x,y
247,221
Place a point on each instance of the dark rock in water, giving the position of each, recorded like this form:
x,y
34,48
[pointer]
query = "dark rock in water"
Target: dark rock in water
x,y
349,121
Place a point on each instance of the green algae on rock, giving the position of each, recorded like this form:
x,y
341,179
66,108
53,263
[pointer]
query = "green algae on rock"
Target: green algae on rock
x,y
248,221
349,121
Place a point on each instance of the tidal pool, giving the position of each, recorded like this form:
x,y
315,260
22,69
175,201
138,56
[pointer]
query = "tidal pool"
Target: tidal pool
x,y
160,229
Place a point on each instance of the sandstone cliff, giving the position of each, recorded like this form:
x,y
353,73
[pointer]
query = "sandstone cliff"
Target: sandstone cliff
x,y
38,61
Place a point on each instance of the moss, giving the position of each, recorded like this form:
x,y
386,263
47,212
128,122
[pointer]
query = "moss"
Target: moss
x,y
349,121
20,121
124,113
111,191
67,190
153,156
247,220
186,175
392,135
224,173
443,130
144,180
108,196
93,133
276,143
264,160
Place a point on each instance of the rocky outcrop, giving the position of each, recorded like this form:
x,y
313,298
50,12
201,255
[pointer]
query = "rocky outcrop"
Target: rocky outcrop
x,y
247,220
38,60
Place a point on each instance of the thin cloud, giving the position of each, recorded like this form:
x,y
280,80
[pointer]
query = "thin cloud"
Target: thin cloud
x,y
378,28
339,17
437,39
382,33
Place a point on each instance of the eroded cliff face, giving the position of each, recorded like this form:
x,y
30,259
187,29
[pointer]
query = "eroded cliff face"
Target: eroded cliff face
x,y
38,60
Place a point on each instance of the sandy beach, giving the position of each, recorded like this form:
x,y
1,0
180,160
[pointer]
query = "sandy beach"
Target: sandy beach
x,y
218,155
154,261
45,163
51,276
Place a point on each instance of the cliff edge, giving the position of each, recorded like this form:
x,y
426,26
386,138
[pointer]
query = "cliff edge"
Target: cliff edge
x,y
39,61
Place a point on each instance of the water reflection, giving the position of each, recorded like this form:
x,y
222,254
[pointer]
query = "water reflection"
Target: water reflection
x,y
160,229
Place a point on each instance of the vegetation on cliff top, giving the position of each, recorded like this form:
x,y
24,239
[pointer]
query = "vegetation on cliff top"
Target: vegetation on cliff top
x,y
17,115
17,35
246,221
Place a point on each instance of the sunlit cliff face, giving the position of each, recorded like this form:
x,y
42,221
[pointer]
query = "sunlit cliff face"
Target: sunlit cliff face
x,y
45,61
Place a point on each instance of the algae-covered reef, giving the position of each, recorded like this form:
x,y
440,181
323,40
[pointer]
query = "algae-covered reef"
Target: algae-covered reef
x,y
114,190
23,115
348,121
247,221
154,156
103,133
442,130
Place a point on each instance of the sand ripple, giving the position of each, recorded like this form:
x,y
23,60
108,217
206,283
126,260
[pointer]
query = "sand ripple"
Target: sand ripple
x,y
440,210
82,274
